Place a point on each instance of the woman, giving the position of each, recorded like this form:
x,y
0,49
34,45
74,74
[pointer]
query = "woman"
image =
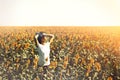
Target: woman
x,y
43,48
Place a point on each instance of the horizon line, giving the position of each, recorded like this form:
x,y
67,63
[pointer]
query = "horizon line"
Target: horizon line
x,y
59,26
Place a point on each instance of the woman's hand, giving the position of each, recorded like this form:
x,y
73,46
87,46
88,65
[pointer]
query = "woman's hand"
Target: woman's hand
x,y
36,36
44,34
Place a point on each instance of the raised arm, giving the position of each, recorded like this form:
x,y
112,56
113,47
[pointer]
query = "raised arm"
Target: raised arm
x,y
50,35
36,38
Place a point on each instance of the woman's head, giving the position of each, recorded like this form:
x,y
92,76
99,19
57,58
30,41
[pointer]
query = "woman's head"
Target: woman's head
x,y
41,38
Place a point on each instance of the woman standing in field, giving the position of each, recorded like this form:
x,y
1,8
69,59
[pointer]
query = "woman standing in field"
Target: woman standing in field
x,y
43,48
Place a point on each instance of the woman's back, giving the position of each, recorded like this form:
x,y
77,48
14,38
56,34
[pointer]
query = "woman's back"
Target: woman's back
x,y
44,52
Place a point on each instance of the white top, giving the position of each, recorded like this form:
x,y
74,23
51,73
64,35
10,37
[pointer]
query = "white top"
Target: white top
x,y
44,54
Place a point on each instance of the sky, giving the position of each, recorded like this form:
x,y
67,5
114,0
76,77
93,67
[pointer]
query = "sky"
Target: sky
x,y
59,12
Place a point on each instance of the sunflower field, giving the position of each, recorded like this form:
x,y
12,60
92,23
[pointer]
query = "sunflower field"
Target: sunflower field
x,y
77,53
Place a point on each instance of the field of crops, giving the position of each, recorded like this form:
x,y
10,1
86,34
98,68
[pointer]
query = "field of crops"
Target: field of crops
x,y
80,53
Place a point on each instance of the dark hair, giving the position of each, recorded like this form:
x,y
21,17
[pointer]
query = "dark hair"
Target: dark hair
x,y
40,37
